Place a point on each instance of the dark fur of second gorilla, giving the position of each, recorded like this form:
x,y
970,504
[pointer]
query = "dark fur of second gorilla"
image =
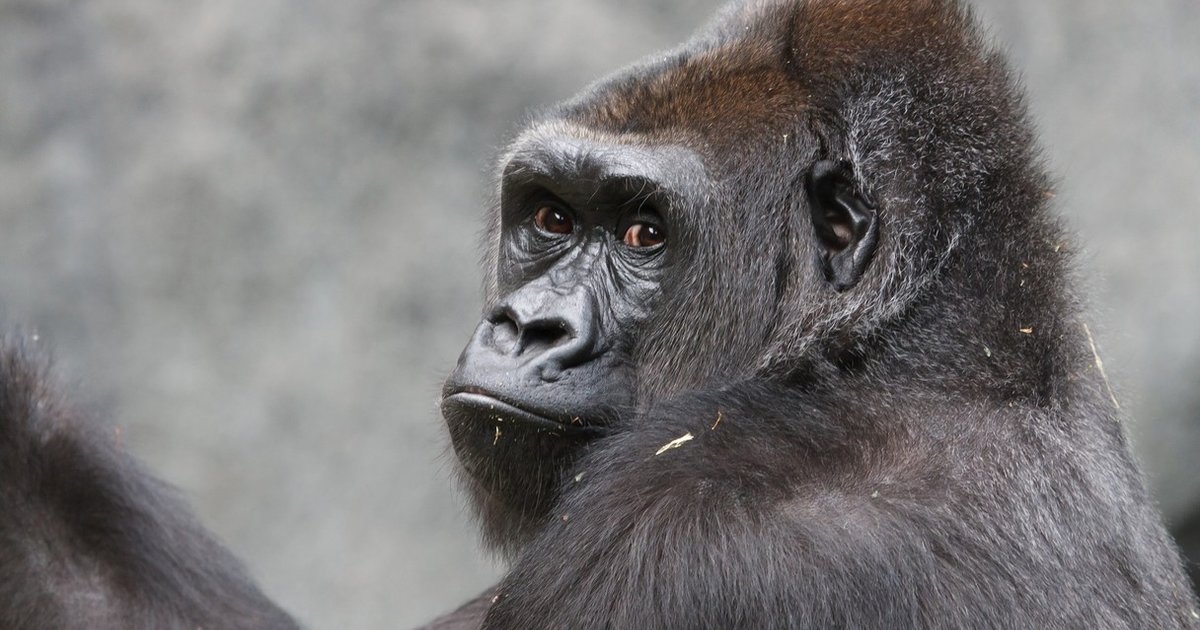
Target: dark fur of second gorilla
x,y
916,437
91,541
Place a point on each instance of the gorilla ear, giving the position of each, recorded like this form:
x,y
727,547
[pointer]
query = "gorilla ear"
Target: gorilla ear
x,y
845,223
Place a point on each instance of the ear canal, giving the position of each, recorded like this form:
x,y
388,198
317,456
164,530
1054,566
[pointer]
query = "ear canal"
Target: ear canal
x,y
845,224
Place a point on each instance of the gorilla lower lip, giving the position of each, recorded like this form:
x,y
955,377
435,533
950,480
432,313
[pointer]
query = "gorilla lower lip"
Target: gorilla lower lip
x,y
492,408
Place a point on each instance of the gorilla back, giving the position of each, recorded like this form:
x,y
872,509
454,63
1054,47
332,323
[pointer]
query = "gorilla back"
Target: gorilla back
x,y
779,332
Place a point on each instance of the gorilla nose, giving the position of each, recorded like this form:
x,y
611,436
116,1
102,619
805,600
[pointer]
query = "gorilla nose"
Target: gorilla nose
x,y
544,331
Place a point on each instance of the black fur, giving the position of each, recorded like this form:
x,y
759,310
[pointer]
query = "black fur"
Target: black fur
x,y
917,437
88,540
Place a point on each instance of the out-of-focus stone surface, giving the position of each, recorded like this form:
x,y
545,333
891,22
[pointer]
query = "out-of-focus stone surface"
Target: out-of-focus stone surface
x,y
248,233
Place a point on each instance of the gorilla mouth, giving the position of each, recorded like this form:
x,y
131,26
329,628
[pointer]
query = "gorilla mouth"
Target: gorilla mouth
x,y
485,405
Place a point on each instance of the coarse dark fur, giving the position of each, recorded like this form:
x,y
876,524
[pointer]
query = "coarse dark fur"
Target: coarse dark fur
x,y
929,444
90,541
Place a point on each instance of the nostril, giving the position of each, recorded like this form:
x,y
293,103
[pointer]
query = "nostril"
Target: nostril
x,y
505,333
538,337
510,335
502,315
546,335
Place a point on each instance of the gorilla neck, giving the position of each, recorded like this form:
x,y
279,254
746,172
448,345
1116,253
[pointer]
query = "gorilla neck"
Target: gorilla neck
x,y
1018,338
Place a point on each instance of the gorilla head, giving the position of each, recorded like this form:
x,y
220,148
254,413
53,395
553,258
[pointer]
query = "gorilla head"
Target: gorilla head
x,y
824,224
714,214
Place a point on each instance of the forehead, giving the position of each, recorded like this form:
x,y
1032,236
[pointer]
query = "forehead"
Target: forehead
x,y
684,121
719,96
561,150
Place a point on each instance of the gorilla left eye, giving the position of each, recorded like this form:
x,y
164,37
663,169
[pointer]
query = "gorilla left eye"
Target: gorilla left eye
x,y
553,221
644,235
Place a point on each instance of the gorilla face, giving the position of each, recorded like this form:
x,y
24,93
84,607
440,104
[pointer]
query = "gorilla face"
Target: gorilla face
x,y
583,249
610,255
579,265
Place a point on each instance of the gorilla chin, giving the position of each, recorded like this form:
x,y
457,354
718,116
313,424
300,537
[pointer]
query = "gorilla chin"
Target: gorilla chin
x,y
495,440
510,452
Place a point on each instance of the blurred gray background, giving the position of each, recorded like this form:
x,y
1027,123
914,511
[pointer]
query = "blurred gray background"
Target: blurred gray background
x,y
247,232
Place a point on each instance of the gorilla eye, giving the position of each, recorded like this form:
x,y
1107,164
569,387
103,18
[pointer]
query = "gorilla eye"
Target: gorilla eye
x,y
644,235
554,221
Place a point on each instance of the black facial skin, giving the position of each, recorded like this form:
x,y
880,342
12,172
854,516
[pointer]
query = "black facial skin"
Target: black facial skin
x,y
550,366
547,368
850,388
552,344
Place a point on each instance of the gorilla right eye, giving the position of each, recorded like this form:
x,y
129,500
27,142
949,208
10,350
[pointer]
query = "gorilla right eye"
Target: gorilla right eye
x,y
549,219
643,234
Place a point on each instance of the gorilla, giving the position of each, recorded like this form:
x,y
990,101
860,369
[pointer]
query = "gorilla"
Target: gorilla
x,y
779,331
88,540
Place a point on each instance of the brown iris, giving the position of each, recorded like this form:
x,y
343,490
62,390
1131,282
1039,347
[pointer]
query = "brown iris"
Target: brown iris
x,y
644,235
551,220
